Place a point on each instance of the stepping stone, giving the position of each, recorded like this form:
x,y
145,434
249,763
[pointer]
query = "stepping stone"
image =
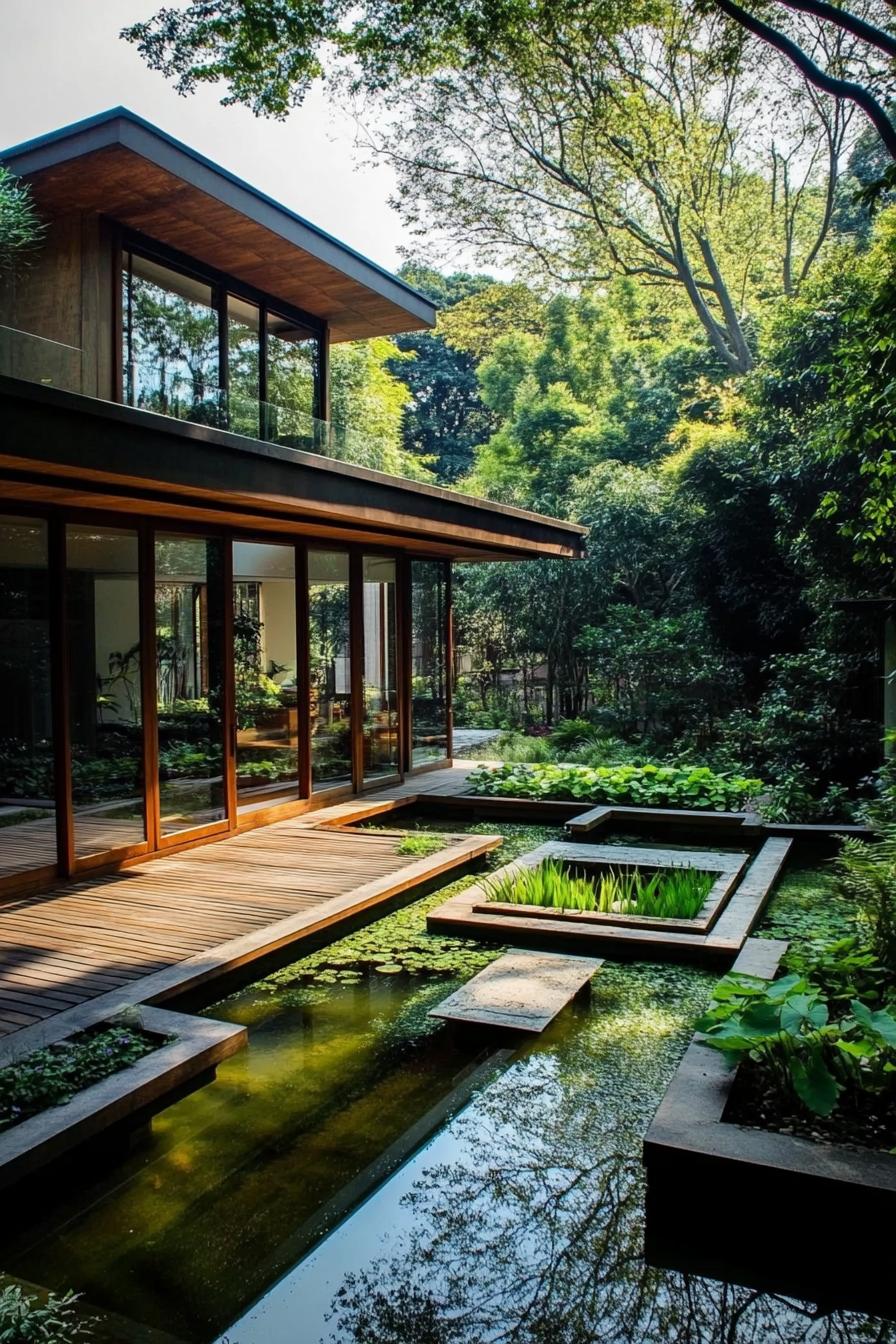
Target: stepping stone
x,y
521,990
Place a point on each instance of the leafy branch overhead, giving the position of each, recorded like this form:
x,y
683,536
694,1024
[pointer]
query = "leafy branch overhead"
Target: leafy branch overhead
x,y
20,225
650,138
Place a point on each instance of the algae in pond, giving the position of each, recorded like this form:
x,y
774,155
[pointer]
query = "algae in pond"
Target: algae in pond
x,y
807,905
399,943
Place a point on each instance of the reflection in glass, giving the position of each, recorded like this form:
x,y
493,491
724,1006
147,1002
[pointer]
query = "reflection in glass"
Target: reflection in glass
x,y
429,702
331,698
189,679
28,833
102,595
380,692
264,651
293,364
170,334
243,367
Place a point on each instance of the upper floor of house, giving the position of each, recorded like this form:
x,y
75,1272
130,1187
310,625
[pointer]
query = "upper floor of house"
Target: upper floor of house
x,y
168,284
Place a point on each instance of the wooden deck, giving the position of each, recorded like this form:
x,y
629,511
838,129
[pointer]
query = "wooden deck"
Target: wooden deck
x,y
72,955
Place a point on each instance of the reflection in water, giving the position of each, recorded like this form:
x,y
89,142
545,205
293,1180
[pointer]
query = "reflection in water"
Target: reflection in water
x,y
532,1230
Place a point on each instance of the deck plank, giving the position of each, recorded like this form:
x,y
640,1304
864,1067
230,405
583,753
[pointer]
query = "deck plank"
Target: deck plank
x,y
98,943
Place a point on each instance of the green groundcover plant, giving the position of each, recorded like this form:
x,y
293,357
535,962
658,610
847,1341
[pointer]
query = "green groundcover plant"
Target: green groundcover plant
x,y
52,1076
624,785
813,1050
25,1318
675,893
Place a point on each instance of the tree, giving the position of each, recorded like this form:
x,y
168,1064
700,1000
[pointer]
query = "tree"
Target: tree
x,y
368,404
830,78
20,226
582,139
446,417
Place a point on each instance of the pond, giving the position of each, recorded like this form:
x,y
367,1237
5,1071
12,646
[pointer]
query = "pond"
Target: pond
x,y
519,1214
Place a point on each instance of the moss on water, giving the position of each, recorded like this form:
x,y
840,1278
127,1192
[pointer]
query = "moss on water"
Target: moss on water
x,y
400,942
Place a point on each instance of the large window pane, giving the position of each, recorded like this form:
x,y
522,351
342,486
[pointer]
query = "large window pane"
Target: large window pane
x,y
331,698
380,693
189,668
170,332
244,367
292,384
429,704
27,805
264,650
103,632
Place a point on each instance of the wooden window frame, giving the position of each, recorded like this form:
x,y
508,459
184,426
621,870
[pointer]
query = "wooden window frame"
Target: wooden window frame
x,y
154,844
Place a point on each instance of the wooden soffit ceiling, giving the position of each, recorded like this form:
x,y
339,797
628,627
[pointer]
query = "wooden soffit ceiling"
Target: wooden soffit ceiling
x,y
121,166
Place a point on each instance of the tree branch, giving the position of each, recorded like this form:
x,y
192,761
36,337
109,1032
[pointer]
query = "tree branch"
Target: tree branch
x,y
838,88
851,23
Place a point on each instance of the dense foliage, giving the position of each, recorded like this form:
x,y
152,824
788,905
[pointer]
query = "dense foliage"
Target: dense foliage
x,y
26,1318
624,785
52,1076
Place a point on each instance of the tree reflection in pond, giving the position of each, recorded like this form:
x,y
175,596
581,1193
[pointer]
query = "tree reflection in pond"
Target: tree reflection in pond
x,y
532,1232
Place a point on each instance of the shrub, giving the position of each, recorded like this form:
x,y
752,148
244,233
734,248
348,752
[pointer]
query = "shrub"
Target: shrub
x,y
866,874
804,1055
25,1319
52,1076
624,785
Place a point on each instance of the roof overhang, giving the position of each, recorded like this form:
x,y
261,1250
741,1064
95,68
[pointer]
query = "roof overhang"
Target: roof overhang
x,y
118,165
73,451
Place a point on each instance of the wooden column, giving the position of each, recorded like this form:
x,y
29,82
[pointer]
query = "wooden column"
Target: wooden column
x,y
404,683
449,660
149,691
228,676
303,669
356,643
59,682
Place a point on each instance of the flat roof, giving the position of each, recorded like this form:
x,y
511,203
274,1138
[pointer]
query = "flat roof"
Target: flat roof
x,y
120,165
68,449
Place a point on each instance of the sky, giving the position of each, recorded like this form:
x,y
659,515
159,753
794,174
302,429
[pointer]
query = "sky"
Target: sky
x,y
61,60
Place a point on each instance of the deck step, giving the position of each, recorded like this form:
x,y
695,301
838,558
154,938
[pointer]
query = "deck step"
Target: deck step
x,y
521,990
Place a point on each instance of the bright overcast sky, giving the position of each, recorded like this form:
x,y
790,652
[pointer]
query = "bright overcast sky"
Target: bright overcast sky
x,y
61,60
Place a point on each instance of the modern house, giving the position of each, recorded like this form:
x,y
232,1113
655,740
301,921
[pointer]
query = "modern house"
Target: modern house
x,y
210,615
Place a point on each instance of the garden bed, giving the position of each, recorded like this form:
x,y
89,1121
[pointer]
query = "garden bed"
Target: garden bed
x,y
620,866
182,1053
775,1211
730,912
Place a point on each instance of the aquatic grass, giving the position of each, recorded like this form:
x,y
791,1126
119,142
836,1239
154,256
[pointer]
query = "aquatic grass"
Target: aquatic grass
x,y
420,844
668,893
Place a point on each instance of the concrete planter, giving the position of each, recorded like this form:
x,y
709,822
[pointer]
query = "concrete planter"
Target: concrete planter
x,y
773,1211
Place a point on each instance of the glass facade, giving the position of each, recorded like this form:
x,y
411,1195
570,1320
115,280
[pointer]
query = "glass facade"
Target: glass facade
x,y
193,350
429,667
329,644
102,615
27,778
265,668
191,680
380,667
171,357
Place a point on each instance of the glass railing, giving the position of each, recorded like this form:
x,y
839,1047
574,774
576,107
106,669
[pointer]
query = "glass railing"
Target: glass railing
x,y
38,360
54,364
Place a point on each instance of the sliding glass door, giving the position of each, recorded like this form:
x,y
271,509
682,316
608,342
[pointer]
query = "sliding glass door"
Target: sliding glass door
x,y
27,766
380,730
265,669
189,616
102,616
